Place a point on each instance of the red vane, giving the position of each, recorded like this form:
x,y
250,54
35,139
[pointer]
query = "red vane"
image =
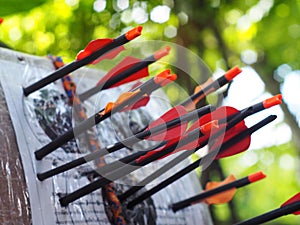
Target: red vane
x,y
97,44
133,33
256,176
109,55
125,64
140,103
162,52
173,132
92,46
275,100
149,154
295,198
236,148
135,86
1,20
232,73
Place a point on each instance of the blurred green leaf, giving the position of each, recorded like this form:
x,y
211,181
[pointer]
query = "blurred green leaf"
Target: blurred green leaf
x,y
16,6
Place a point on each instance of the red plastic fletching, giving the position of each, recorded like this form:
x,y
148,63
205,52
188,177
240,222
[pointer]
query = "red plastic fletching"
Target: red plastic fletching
x,y
205,129
256,176
236,148
125,64
295,198
173,132
190,146
1,20
232,73
140,103
275,100
96,45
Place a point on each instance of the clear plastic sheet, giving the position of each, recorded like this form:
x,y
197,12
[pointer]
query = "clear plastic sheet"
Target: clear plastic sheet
x,y
31,115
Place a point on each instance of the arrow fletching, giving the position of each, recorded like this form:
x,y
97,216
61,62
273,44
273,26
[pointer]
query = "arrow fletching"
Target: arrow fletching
x,y
240,142
94,46
125,64
205,129
223,197
169,134
294,199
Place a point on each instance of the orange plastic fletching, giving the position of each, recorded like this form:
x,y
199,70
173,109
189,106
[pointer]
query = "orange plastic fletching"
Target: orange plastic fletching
x,y
162,52
192,105
295,198
223,197
165,77
256,176
133,33
275,100
123,97
232,73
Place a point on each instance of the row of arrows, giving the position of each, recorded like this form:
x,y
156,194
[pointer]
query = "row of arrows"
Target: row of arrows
x,y
183,127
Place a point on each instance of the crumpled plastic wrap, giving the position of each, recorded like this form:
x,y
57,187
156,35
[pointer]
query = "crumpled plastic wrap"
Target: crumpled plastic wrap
x,y
26,200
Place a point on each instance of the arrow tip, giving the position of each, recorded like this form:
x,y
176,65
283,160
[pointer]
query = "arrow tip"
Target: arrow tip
x,y
275,100
133,33
256,176
232,73
162,52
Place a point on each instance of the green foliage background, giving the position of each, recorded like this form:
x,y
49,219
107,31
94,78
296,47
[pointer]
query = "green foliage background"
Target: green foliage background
x,y
210,29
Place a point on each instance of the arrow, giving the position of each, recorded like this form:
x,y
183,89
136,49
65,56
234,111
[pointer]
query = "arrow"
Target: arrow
x,y
201,143
92,52
229,148
217,190
209,87
191,149
173,123
123,171
124,100
222,114
291,206
129,69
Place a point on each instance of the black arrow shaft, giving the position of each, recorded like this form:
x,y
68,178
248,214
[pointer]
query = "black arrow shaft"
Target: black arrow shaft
x,y
147,87
118,77
126,169
190,201
197,163
61,72
291,208
124,143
